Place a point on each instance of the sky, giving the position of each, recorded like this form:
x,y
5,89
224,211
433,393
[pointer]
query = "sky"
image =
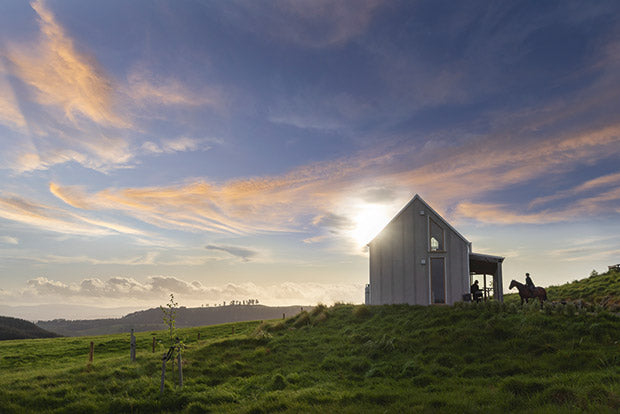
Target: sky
x,y
240,149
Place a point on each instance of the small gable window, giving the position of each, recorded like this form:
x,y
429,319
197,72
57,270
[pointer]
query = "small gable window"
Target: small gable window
x,y
436,237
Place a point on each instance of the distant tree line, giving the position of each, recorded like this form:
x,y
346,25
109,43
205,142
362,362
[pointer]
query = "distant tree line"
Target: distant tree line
x,y
245,302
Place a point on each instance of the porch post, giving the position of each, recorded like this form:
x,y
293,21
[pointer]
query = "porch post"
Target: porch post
x,y
500,286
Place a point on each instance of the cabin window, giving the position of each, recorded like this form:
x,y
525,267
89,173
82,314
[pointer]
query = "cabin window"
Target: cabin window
x,y
436,237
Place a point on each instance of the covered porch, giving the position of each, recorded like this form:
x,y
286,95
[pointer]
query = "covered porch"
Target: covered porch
x,y
487,269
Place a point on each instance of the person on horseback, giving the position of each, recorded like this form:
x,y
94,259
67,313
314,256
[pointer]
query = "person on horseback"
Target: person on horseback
x,y
529,283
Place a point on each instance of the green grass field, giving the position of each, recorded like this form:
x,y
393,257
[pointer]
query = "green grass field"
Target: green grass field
x,y
398,358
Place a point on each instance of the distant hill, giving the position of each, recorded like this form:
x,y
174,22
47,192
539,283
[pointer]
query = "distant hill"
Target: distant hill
x,y
13,328
47,311
151,319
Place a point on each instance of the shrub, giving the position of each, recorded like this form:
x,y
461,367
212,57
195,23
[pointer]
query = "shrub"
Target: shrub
x,y
361,312
278,382
301,319
320,308
320,318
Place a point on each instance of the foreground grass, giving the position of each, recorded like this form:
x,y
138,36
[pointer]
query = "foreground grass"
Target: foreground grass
x,y
342,359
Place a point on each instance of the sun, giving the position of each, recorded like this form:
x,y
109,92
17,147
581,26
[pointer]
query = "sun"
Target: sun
x,y
368,222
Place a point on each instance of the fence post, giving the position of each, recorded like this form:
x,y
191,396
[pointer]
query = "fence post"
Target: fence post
x,y
180,364
283,316
92,352
199,336
233,330
132,345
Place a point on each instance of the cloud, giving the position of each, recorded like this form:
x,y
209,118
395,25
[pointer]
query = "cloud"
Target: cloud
x,y
9,240
497,213
61,76
286,203
597,205
315,239
50,218
317,24
147,89
379,195
10,113
333,221
148,258
596,183
246,254
182,144
157,288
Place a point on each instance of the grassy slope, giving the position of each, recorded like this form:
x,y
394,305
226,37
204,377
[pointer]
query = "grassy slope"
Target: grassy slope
x,y
341,359
13,328
603,289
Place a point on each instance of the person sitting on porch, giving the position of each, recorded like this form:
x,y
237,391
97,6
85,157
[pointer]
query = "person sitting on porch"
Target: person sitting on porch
x,y
476,292
529,283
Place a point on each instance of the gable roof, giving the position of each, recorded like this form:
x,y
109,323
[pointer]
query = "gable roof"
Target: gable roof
x,y
402,210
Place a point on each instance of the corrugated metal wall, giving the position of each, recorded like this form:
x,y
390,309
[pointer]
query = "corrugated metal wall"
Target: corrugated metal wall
x,y
397,274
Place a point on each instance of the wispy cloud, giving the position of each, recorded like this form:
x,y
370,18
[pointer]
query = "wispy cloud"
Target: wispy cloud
x,y
602,203
9,240
10,113
283,203
61,76
54,219
181,144
246,254
607,180
145,88
318,24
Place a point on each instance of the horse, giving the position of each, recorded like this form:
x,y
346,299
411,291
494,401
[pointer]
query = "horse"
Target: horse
x,y
526,293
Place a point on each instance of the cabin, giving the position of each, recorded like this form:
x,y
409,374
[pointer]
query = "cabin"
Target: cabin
x,y
420,259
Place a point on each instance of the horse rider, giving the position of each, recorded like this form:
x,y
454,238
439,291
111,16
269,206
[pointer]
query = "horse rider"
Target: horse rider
x,y
529,283
476,292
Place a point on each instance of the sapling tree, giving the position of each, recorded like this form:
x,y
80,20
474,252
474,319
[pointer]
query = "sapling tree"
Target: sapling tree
x,y
174,342
169,315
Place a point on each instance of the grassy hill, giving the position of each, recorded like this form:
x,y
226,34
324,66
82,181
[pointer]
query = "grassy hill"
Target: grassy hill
x,y
13,328
601,290
351,359
151,319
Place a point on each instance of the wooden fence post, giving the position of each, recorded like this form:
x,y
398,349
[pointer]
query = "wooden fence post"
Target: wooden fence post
x,y
92,352
153,344
132,346
180,364
199,336
283,316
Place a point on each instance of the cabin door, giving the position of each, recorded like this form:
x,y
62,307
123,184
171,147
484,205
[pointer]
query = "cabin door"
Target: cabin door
x,y
438,280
